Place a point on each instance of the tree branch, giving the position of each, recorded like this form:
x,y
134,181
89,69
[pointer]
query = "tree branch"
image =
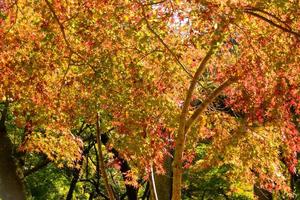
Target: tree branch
x,y
208,101
131,191
101,163
288,30
61,26
180,138
63,32
153,184
155,3
269,14
163,43
36,168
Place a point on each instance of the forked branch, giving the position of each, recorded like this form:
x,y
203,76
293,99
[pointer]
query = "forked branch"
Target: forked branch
x,y
208,101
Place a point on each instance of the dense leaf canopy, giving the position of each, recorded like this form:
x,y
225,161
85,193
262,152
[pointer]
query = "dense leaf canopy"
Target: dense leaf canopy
x,y
165,78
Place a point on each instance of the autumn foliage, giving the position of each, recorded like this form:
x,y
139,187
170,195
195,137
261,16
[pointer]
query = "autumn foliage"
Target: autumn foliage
x,y
141,65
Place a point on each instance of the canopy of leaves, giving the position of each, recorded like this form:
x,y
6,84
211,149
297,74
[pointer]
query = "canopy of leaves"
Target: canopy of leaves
x,y
62,62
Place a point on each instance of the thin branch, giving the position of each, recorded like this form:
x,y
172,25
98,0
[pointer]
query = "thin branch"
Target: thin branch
x,y
155,3
153,184
163,43
61,26
63,32
63,79
270,15
296,34
148,54
36,168
16,17
77,171
97,162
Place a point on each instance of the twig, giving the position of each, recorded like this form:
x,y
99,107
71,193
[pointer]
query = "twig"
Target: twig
x,y
163,43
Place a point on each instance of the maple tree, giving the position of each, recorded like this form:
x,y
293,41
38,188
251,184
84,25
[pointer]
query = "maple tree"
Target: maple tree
x,y
237,71
141,64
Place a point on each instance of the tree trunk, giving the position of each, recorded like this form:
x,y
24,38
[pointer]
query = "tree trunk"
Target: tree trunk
x,y
131,191
11,187
184,127
76,174
164,182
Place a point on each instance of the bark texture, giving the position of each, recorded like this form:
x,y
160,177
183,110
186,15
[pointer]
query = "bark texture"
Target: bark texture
x,y
11,187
